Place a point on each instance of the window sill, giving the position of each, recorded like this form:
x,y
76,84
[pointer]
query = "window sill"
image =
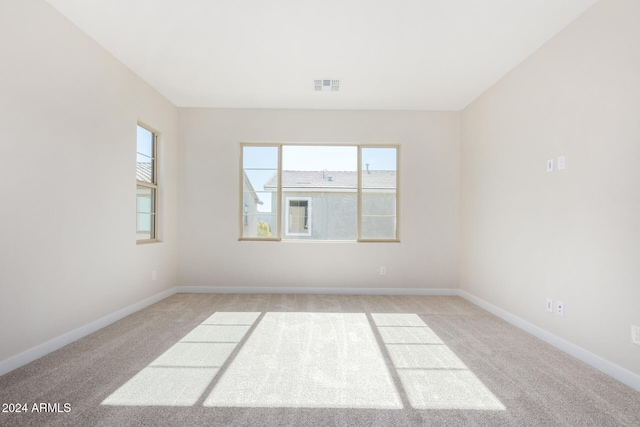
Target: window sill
x,y
146,242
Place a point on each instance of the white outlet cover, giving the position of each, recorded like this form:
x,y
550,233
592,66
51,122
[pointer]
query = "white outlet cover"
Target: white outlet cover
x,y
561,163
635,334
560,308
550,165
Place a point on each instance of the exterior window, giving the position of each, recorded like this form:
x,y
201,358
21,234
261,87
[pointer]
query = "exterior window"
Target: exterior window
x,y
147,186
319,192
298,216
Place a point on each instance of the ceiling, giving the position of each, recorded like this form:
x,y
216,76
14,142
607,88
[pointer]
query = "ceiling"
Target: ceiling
x,y
388,54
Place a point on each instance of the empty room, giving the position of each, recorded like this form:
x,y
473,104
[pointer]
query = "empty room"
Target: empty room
x,y
304,214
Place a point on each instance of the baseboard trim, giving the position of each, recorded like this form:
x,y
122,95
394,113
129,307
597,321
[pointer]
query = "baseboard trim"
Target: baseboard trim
x,y
54,344
603,365
609,368
315,291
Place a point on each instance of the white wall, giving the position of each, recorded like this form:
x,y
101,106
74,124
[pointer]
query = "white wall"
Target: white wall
x,y
68,113
67,158
211,255
571,235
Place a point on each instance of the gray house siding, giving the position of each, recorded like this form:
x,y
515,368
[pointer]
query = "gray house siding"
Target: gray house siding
x,y
330,199
332,216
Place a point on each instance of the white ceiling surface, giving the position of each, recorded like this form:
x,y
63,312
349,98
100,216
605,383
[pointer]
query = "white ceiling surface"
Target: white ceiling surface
x,y
388,54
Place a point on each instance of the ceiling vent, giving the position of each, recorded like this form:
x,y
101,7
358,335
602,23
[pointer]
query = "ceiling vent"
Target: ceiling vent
x,y
326,85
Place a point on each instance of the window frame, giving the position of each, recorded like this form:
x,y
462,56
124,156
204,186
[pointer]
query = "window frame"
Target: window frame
x,y
282,222
278,196
153,186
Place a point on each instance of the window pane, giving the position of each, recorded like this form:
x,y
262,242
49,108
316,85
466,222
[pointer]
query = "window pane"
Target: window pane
x,y
145,142
145,162
379,193
379,159
145,213
145,200
260,191
145,226
319,158
144,169
264,157
319,191
378,215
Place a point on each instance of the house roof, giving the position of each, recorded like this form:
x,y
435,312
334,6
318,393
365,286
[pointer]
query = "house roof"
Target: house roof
x,y
144,172
380,179
247,182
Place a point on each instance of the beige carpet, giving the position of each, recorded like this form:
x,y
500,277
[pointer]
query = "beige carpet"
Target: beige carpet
x,y
314,360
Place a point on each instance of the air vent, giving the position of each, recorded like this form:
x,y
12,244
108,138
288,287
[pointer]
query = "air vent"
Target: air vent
x,y
326,85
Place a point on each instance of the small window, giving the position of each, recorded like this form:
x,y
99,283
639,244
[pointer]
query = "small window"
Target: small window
x,y
147,185
298,216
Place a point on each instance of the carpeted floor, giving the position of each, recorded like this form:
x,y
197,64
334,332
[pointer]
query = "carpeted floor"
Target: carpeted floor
x,y
313,360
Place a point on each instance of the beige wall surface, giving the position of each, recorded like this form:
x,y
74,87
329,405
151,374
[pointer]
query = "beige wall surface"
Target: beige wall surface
x,y
211,255
68,113
572,235
477,208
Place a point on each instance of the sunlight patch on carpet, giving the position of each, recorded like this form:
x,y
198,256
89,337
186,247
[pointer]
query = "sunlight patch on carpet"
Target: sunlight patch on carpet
x,y
308,360
180,375
432,375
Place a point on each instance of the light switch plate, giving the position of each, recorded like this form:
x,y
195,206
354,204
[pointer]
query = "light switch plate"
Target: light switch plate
x,y
561,163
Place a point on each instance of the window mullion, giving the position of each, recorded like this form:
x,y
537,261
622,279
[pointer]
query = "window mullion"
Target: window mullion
x,y
359,196
279,197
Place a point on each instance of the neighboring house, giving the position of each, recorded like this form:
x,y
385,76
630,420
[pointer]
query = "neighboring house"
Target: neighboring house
x,y
250,202
322,205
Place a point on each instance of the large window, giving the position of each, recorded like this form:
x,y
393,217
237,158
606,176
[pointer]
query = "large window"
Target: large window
x,y
319,192
147,186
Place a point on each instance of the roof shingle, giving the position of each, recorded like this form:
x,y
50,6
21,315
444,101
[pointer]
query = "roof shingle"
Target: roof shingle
x,y
381,179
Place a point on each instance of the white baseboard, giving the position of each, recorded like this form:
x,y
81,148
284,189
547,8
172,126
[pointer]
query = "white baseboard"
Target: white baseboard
x,y
315,291
54,344
615,371
609,368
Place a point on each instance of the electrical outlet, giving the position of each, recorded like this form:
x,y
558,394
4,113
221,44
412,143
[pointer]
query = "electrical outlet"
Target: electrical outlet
x,y
550,165
549,305
383,271
560,308
635,334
